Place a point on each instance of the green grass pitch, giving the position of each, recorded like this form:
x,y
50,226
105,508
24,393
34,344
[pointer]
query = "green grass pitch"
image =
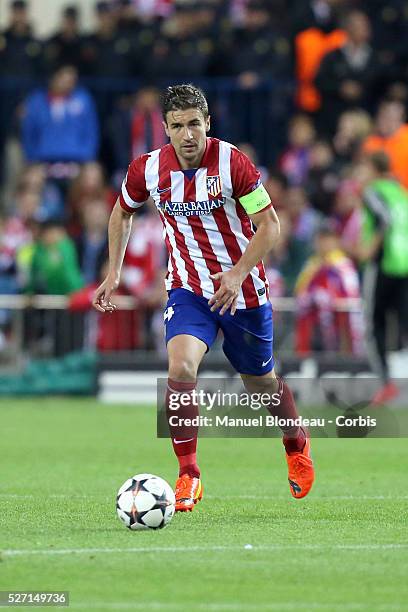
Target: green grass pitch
x,y
345,547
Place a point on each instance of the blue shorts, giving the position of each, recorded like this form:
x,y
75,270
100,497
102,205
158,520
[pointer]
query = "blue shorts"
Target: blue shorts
x,y
248,335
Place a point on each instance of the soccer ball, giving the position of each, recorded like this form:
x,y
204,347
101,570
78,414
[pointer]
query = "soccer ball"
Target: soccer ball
x,y
145,501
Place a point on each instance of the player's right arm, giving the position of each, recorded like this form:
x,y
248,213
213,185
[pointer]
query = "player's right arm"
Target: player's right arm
x,y
133,195
120,225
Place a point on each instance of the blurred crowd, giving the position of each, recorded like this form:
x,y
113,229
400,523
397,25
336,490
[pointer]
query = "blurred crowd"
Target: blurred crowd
x,y
64,153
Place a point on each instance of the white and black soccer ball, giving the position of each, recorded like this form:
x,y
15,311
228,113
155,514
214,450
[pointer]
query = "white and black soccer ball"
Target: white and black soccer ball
x,y
145,501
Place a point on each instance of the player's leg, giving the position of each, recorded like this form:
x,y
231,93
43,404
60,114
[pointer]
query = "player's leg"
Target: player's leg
x,y
295,439
378,298
248,345
190,331
185,353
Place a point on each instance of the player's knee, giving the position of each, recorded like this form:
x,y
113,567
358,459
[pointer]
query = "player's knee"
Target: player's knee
x,y
183,370
261,384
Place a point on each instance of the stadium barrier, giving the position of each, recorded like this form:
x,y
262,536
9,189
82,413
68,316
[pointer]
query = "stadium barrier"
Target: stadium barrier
x,y
49,349
45,326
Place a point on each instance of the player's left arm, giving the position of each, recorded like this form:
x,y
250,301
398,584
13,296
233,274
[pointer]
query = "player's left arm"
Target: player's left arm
x,y
265,237
253,197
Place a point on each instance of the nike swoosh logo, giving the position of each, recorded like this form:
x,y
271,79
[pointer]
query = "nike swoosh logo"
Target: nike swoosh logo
x,y
266,362
182,441
163,190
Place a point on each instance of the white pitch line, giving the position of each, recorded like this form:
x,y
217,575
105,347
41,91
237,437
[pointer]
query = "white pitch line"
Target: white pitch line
x,y
246,496
288,605
326,498
184,549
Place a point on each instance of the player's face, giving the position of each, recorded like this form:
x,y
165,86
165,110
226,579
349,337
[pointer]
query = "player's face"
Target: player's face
x,y
187,130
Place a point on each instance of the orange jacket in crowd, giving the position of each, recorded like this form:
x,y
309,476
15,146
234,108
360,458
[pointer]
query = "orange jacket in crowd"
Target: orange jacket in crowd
x,y
311,46
396,147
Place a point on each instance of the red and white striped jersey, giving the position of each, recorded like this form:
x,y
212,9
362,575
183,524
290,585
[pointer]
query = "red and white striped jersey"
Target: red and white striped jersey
x,y
206,228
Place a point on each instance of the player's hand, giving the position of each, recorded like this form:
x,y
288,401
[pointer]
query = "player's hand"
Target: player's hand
x,y
226,295
102,296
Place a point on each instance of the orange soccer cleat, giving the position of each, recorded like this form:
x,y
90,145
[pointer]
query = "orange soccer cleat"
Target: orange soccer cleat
x,y
189,491
385,394
300,471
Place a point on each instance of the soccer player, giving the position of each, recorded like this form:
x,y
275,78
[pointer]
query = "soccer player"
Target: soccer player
x,y
209,197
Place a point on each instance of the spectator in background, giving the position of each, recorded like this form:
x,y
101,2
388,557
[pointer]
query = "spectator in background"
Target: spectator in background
x,y
181,38
303,222
276,185
275,273
250,152
274,276
60,123
92,242
353,127
89,185
122,331
329,275
258,49
144,270
64,47
304,218
20,55
384,249
146,127
52,269
391,137
323,177
136,127
20,51
346,217
317,14
107,52
390,26
149,9
16,234
34,180
54,266
295,161
348,76
316,34
210,15
145,254
140,26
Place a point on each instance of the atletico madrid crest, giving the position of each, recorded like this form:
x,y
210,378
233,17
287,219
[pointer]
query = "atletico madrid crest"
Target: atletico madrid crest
x,y
213,185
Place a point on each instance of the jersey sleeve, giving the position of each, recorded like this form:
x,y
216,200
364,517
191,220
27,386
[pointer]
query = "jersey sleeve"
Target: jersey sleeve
x,y
133,192
246,184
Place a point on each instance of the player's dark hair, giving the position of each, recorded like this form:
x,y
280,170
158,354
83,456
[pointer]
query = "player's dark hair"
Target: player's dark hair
x,y
182,97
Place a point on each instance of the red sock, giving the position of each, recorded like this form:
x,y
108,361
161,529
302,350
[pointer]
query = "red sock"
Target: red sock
x,y
294,437
184,438
294,445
